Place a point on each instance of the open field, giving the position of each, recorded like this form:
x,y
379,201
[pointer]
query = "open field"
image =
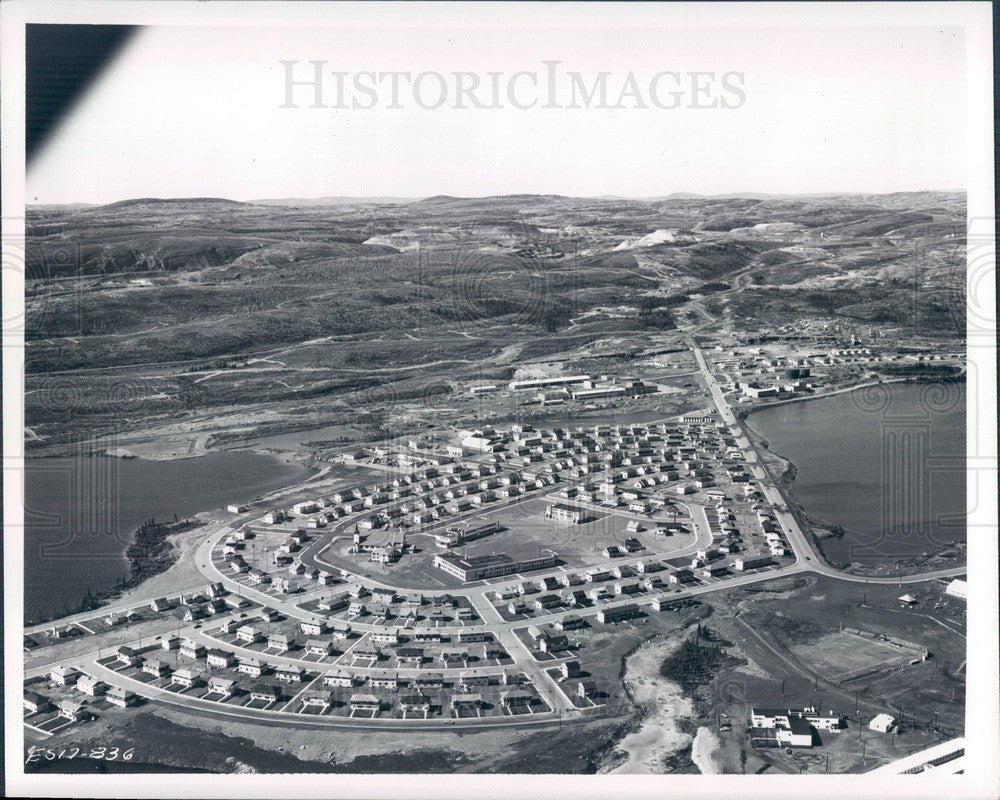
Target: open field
x,y
787,635
837,654
529,534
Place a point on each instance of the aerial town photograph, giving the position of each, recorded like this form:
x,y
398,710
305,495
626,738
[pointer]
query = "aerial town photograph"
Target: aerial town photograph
x,y
519,468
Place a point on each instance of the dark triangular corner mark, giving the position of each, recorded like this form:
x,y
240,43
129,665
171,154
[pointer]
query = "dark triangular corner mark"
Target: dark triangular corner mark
x,y
61,61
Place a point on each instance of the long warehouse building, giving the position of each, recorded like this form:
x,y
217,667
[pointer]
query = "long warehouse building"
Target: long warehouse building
x,y
541,383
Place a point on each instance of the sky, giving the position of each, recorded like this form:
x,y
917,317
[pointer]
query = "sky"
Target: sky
x,y
197,112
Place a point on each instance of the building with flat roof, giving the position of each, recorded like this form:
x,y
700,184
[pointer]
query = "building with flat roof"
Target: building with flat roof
x,y
790,727
618,613
543,383
945,758
597,392
474,568
560,512
455,535
742,564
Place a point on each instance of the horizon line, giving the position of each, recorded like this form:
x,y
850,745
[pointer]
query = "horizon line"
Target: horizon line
x,y
679,195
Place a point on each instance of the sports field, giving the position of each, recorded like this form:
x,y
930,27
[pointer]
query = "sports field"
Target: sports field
x,y
842,653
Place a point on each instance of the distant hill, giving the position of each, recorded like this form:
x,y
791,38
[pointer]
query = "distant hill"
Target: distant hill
x,y
59,206
310,202
185,202
907,197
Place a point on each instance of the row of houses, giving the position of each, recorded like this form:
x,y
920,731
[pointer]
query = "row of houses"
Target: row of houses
x,y
580,452
83,683
467,680
648,574
362,498
423,704
464,686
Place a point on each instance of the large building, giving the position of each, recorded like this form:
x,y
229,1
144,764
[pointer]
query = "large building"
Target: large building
x,y
459,534
597,393
478,444
618,613
742,564
789,727
631,387
544,383
560,512
760,391
698,417
944,758
474,568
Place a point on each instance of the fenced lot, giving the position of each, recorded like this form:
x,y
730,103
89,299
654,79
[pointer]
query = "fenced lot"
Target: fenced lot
x,y
840,654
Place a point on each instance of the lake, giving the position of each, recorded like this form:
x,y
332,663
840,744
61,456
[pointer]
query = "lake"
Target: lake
x,y
297,440
887,464
80,513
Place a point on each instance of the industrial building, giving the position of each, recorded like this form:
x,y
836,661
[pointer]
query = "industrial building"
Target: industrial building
x,y
597,393
543,383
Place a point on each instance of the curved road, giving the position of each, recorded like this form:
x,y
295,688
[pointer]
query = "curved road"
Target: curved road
x,y
801,544
807,560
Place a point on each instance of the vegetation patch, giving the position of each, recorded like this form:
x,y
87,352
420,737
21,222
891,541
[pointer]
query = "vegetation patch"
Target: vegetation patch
x,y
698,660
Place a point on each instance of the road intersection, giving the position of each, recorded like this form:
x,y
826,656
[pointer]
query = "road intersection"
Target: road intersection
x,y
208,559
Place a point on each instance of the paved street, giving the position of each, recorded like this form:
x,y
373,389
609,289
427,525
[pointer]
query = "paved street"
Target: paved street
x,y
806,560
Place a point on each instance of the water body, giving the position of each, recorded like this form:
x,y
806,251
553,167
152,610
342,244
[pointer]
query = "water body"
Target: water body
x,y
80,513
885,463
298,440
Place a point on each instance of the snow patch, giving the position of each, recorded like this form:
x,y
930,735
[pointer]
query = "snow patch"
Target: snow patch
x,y
658,236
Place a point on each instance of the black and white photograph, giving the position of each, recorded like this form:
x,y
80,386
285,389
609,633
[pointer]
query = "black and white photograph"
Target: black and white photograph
x,y
499,400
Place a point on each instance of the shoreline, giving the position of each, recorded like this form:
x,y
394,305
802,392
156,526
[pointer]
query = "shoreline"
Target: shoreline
x,y
897,566
287,456
957,378
135,561
145,558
